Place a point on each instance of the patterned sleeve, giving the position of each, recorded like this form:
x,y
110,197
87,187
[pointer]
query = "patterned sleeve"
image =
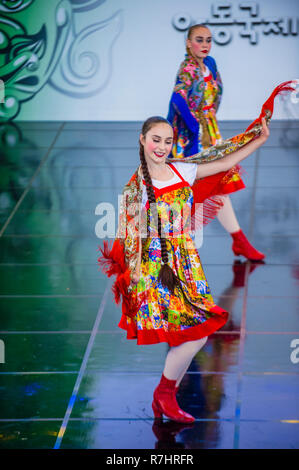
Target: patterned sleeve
x,y
187,170
183,81
190,85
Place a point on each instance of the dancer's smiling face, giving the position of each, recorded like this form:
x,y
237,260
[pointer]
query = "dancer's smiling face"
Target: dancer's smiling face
x,y
200,42
157,142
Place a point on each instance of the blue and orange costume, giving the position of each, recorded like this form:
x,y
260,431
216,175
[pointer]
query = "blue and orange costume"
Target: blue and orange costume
x,y
192,112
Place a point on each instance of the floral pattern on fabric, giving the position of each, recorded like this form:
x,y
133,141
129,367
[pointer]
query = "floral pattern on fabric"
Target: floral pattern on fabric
x,y
209,112
120,259
203,96
198,92
191,304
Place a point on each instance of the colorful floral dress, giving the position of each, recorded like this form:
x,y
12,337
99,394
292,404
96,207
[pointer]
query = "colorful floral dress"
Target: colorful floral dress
x,y
208,109
190,312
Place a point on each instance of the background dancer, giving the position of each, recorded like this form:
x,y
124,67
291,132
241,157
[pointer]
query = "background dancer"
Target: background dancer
x,y
192,113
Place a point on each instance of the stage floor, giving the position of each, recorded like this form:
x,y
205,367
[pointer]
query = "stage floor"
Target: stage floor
x,y
70,379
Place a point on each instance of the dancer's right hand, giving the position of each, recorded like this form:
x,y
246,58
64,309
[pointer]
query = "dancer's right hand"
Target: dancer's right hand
x,y
264,135
135,278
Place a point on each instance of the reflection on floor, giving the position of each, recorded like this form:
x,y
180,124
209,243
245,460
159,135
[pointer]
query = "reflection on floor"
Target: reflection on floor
x,y
69,378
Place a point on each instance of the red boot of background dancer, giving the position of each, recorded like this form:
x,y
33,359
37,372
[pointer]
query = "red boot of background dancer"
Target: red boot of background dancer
x,y
241,246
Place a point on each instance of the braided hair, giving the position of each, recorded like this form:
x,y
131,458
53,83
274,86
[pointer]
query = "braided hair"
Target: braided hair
x,y
166,275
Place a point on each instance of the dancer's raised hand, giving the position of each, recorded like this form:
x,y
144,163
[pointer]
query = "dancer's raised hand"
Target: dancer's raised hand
x,y
265,131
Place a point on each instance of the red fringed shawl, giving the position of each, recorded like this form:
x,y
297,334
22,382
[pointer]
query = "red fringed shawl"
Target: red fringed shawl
x,y
207,192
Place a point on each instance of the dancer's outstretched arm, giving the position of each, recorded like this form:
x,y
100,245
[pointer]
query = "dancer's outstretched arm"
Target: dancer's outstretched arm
x,y
227,162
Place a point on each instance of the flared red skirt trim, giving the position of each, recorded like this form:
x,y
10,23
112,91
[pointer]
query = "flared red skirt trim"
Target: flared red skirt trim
x,y
175,338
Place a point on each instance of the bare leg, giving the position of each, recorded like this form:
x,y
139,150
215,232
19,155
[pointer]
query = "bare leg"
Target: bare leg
x,y
227,217
179,379
179,358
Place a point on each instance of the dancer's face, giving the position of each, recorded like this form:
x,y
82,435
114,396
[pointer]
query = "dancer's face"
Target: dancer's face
x,y
157,142
200,42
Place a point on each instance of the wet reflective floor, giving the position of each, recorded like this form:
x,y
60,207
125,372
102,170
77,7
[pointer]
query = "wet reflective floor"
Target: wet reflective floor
x,y
69,379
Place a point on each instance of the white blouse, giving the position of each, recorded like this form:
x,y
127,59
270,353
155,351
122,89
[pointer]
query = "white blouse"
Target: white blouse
x,y
186,170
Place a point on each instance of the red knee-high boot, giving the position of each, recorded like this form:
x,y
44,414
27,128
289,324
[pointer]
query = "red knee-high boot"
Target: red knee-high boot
x,y
241,246
164,402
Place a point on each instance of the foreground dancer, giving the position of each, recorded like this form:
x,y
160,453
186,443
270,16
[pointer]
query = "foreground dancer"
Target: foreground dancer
x,y
165,295
192,112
